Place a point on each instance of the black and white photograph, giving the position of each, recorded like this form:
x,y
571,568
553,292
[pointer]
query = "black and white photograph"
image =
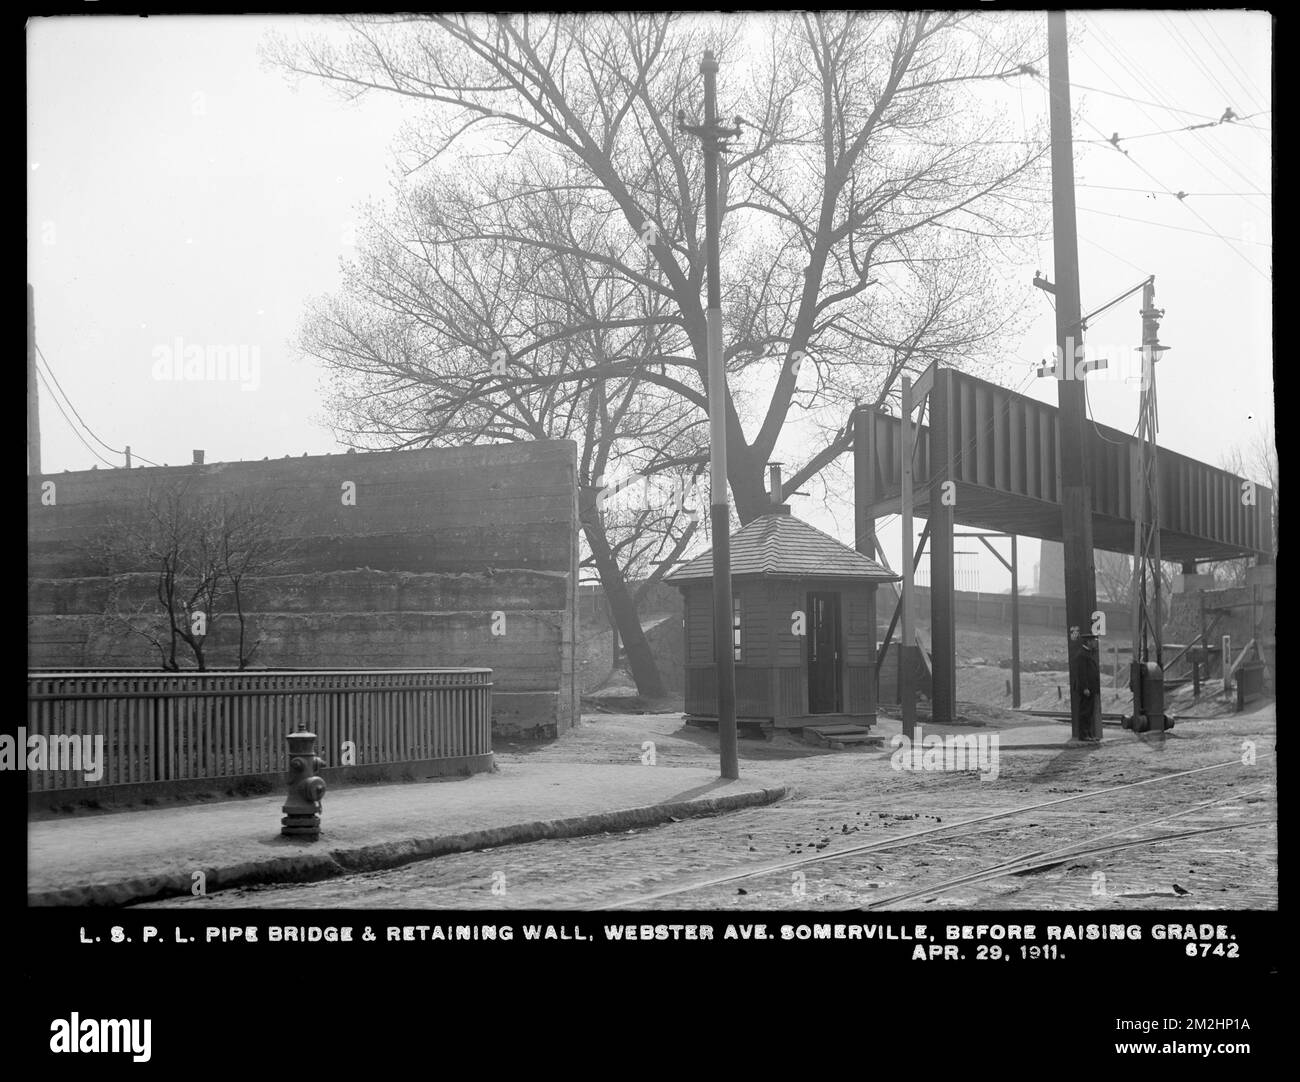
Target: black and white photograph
x,y
674,480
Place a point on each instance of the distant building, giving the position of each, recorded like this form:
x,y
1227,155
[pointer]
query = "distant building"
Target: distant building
x,y
1049,572
804,635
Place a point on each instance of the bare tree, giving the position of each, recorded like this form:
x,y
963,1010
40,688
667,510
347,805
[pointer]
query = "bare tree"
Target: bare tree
x,y
252,544
1114,572
199,551
397,384
859,217
1256,461
546,239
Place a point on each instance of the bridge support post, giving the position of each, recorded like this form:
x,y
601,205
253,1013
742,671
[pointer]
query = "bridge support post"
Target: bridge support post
x,y
865,492
943,624
865,496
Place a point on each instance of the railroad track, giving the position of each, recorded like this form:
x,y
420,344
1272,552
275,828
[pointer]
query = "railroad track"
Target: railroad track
x,y
1024,862
1041,860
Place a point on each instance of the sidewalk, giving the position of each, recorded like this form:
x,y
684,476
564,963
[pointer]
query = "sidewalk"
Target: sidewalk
x,y
1031,734
127,857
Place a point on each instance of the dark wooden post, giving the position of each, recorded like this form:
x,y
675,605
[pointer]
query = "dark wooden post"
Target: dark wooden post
x,y
1076,501
1015,625
943,630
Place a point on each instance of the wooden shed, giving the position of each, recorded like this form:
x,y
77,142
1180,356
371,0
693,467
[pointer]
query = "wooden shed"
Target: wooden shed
x,y
804,633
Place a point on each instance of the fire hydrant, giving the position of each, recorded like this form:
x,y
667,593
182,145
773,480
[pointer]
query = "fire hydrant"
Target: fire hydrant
x,y
306,787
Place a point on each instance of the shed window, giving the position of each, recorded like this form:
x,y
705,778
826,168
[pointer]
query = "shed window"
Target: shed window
x,y
735,627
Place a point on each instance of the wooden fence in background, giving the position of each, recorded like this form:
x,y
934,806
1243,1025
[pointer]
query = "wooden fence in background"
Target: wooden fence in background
x,y
168,728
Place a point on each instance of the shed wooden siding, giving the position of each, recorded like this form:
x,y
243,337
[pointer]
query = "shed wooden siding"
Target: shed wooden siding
x,y
790,650
699,627
772,677
755,627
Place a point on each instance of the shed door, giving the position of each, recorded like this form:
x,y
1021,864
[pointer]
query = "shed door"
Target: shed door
x,y
824,649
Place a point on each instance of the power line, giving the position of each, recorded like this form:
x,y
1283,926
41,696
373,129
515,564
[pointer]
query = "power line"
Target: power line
x,y
1227,52
1180,228
1190,52
1115,255
1179,196
1139,101
1228,117
1148,191
1136,72
1087,401
1200,217
1140,78
1202,163
1118,51
74,428
1205,67
50,369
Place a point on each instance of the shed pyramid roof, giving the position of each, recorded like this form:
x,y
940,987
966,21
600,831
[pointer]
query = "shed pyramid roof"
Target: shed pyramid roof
x,y
779,545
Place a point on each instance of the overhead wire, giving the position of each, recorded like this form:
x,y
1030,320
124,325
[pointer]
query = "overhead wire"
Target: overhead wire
x,y
67,398
1190,52
1166,225
1228,53
75,431
1199,216
1136,73
1139,101
1169,191
1106,42
1179,196
1232,120
1147,191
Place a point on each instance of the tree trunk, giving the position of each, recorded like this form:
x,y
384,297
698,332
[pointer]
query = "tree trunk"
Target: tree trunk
x,y
748,487
645,672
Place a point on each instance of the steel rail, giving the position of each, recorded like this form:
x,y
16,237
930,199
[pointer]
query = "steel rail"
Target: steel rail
x,y
867,847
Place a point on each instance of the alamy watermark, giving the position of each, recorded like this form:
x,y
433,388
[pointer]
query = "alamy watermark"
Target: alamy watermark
x,y
112,1035
660,492
61,751
955,753
1108,363
192,363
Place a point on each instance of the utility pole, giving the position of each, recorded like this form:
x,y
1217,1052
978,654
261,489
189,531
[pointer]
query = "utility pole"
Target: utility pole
x,y
1147,666
906,692
1015,625
1076,501
33,399
713,138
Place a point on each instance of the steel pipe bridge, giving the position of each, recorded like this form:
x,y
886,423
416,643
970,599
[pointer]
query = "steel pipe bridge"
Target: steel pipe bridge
x,y
990,458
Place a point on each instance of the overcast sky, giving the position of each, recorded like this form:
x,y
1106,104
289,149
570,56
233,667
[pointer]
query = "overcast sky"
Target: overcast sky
x,y
177,189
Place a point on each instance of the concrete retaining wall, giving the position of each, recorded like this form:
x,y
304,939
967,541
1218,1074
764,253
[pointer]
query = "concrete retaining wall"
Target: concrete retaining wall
x,y
441,549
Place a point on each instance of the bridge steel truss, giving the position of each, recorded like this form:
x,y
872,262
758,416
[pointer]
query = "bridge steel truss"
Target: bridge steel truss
x,y
990,458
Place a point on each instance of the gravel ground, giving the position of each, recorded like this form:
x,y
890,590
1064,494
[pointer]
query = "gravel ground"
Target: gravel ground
x,y
843,799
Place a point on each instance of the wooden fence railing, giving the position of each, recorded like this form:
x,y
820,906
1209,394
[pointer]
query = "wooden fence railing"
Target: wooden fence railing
x,y
170,727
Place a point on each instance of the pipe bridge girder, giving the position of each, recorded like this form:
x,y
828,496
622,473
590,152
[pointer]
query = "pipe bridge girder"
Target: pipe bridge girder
x,y
991,458
1004,469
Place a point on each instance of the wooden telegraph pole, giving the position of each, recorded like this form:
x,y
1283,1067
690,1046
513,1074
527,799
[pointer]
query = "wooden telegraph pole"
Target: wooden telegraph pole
x,y
33,396
713,137
906,690
1076,502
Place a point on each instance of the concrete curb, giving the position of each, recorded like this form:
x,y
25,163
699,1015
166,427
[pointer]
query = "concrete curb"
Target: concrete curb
x,y
314,866
1004,748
